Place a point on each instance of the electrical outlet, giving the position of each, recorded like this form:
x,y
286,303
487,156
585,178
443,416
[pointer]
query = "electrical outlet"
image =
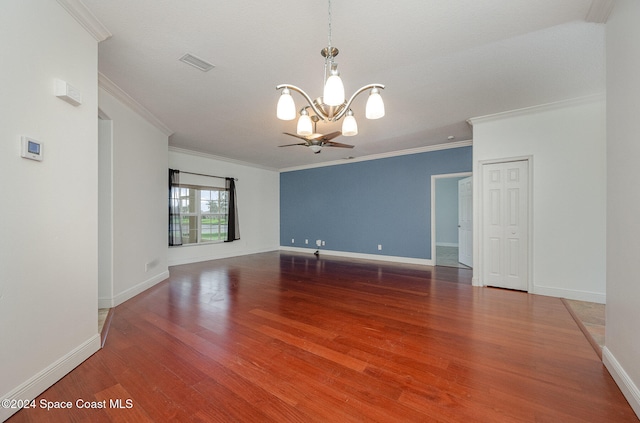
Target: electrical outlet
x,y
318,243
379,247
293,241
323,243
306,241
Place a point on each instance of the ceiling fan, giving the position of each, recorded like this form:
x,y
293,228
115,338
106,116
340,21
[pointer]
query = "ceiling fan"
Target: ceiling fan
x,y
317,141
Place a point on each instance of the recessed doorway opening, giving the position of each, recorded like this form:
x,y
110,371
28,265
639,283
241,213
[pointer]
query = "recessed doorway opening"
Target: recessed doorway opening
x,y
451,220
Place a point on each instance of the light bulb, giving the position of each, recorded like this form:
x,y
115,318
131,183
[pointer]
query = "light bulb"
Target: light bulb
x,y
305,127
286,109
349,125
375,105
333,89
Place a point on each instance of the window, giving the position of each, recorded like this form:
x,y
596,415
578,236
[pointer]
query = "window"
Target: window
x,y
202,209
204,213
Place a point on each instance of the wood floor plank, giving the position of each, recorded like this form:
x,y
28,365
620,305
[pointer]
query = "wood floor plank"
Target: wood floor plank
x,y
288,337
119,405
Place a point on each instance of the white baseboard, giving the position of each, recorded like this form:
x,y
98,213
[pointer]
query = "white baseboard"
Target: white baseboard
x,y
105,303
627,386
378,257
137,289
592,297
217,255
39,383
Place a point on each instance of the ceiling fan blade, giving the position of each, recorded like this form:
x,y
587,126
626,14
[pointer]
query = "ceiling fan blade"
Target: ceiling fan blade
x,y
296,135
331,136
336,144
298,143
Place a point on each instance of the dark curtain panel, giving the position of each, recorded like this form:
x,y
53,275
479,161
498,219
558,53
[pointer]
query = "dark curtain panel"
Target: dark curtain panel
x,y
175,229
233,228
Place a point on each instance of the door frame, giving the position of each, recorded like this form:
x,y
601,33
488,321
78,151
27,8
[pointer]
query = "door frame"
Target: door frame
x,y
105,211
433,207
478,227
463,230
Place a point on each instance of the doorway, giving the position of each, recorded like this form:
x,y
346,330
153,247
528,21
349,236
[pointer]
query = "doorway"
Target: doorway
x,y
449,238
105,221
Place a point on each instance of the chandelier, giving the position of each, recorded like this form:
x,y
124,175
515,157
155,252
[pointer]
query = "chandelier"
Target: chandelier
x,y
332,106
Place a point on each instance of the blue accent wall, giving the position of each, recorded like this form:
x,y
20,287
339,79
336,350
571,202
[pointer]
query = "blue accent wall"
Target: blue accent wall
x,y
356,206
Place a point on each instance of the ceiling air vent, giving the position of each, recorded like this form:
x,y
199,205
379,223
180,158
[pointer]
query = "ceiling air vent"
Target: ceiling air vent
x,y
196,62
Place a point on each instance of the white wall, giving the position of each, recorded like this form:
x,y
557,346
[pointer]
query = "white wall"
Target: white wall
x,y
258,193
622,351
567,144
48,218
139,201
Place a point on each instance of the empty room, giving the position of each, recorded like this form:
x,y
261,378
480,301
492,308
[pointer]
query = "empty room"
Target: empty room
x,y
320,211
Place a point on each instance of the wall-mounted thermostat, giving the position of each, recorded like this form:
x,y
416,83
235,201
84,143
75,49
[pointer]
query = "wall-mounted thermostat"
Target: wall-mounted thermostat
x,y
32,149
68,93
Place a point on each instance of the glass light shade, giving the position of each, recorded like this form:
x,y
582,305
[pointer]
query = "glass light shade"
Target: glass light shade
x,y
286,109
315,148
375,105
333,90
349,125
305,127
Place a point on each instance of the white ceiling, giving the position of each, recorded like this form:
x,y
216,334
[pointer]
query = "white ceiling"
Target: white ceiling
x,y
442,61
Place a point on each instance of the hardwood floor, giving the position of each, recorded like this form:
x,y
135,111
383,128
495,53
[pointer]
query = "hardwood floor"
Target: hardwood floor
x,y
284,337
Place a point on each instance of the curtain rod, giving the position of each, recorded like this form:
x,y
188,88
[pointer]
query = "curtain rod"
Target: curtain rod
x,y
203,174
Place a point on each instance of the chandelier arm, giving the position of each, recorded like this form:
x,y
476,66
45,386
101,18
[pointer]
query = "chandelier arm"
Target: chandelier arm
x,y
317,111
346,107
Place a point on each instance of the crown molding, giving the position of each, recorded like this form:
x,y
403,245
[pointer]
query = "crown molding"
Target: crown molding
x,y
110,87
536,109
86,18
599,11
220,158
425,149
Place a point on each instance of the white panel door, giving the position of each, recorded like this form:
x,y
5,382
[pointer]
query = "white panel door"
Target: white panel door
x,y
465,222
505,225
